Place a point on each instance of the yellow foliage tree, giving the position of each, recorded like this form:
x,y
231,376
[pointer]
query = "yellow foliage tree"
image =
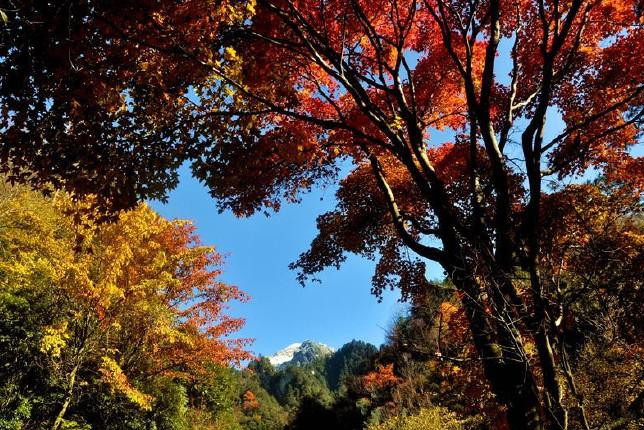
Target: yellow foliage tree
x,y
132,299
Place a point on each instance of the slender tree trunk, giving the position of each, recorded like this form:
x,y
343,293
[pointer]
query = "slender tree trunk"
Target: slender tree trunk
x,y
68,398
573,386
553,392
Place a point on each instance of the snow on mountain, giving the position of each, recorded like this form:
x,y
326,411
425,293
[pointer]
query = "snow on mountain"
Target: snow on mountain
x,y
284,355
300,353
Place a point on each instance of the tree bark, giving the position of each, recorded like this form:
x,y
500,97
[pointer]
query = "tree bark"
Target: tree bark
x,y
510,377
68,398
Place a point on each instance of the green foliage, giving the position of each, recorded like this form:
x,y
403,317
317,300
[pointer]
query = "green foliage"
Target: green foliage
x,y
171,405
264,371
14,415
263,414
313,415
352,358
295,383
217,391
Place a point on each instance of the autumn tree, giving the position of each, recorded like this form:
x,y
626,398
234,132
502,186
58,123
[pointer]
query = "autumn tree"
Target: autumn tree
x,y
595,234
132,308
96,85
436,361
434,418
268,98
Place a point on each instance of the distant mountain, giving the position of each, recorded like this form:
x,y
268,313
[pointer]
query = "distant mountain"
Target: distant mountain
x,y
300,353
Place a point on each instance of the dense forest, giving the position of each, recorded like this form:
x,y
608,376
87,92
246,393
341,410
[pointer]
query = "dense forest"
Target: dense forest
x,y
485,155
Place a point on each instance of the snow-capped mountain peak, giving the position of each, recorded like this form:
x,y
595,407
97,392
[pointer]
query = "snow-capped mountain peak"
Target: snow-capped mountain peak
x,y
284,355
300,353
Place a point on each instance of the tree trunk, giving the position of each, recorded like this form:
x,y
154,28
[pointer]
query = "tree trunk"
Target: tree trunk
x,y
68,398
510,377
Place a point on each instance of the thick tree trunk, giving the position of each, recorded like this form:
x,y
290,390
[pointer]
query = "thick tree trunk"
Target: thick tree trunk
x,y
524,406
510,377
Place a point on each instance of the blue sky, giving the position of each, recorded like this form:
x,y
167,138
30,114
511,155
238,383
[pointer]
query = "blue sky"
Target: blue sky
x,y
259,250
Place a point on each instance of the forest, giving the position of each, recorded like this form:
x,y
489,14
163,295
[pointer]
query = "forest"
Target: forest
x,y
485,156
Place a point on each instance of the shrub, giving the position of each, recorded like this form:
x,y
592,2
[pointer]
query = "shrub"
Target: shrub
x,y
434,418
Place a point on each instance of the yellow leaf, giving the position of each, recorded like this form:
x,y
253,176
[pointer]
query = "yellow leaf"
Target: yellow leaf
x,y
230,54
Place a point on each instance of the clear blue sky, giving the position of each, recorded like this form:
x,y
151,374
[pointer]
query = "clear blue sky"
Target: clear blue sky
x,y
259,250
